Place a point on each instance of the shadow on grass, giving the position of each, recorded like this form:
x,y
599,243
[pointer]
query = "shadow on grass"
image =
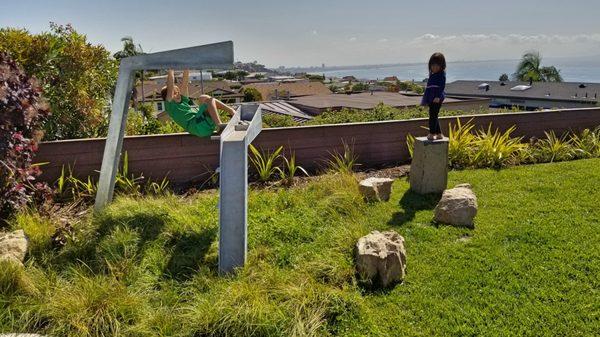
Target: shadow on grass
x,y
188,253
412,202
149,227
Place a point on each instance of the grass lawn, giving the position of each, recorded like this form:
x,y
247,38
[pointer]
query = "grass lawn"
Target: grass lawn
x,y
147,267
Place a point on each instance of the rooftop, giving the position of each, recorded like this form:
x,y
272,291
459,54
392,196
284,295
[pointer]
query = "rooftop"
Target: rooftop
x,y
558,91
362,101
295,89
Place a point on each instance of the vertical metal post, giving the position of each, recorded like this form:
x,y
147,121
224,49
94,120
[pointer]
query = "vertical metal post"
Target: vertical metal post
x,y
245,125
114,140
233,206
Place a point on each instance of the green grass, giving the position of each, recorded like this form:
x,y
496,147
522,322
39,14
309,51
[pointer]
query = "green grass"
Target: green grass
x,y
147,266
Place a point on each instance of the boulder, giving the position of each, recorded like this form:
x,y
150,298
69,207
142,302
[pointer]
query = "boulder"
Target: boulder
x,y
13,246
457,207
381,258
374,188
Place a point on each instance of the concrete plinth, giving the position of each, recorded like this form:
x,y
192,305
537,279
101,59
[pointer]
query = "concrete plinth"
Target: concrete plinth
x,y
429,167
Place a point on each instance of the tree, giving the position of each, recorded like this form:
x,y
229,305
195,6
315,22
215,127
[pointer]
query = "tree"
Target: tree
x,y
252,95
131,49
503,77
76,77
22,111
530,69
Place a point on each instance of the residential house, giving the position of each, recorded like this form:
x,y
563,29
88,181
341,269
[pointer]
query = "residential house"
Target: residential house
x,y
286,90
318,104
528,95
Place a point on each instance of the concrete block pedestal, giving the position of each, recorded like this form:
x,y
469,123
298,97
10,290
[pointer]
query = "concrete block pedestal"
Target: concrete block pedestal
x,y
429,167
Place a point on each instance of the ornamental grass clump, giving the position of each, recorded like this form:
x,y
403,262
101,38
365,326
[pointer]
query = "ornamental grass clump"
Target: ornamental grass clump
x,y
553,148
496,149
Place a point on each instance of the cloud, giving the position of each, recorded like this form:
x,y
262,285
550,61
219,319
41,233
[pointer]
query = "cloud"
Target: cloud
x,y
506,39
352,39
382,40
314,32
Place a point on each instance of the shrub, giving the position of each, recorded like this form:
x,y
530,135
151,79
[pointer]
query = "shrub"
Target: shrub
x,y
252,95
76,77
276,120
22,111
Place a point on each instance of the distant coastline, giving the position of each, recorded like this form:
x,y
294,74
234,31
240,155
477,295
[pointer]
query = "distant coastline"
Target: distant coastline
x,y
575,69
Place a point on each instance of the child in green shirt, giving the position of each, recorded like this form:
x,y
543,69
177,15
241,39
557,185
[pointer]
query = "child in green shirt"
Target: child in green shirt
x,y
201,121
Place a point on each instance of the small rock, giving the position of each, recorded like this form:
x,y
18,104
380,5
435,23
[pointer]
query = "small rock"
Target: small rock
x,y
13,246
381,258
457,207
376,188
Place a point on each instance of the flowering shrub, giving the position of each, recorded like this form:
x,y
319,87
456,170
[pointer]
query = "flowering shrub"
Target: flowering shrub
x,y
22,111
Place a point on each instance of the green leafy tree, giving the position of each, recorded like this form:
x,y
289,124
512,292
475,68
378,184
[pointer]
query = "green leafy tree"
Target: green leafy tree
x,y
530,68
252,95
360,87
76,77
503,77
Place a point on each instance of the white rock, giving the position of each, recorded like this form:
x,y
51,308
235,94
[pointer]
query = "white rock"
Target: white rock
x,y
13,246
376,188
381,258
457,207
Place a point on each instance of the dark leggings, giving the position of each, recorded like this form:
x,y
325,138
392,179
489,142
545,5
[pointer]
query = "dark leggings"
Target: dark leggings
x,y
434,122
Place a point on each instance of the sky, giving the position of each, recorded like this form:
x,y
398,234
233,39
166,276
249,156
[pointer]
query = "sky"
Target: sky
x,y
330,32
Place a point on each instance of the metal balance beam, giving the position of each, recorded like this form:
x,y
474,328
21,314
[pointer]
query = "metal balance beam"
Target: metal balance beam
x,y
240,131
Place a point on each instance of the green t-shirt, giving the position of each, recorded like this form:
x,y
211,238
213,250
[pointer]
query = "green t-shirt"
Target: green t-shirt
x,y
194,120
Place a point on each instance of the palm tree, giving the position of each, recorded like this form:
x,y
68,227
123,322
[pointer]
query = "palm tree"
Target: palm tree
x,y
131,49
530,69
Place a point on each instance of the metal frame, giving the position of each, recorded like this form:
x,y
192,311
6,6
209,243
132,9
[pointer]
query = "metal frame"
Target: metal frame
x,y
216,55
245,125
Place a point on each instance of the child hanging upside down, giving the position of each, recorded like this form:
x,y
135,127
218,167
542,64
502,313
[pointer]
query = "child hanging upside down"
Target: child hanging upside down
x,y
202,120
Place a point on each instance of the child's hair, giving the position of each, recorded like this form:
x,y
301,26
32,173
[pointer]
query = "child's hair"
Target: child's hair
x,y
439,59
163,93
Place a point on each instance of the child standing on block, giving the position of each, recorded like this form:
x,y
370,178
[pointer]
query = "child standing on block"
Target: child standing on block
x,y
434,93
200,120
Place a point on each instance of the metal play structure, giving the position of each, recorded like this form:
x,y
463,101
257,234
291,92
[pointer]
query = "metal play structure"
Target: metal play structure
x,y
244,126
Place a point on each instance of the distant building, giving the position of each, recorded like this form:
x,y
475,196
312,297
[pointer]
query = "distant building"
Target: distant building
x,y
530,96
392,79
316,105
286,90
284,108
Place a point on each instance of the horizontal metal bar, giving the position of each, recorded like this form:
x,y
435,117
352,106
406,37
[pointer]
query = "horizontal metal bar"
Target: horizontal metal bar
x,y
217,55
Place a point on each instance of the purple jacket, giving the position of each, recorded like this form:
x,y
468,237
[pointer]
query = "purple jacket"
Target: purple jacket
x,y
435,88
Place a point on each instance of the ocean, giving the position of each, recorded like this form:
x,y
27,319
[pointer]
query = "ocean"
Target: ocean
x,y
572,70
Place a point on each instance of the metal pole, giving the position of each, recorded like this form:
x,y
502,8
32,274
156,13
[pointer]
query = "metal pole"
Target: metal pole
x,y
114,140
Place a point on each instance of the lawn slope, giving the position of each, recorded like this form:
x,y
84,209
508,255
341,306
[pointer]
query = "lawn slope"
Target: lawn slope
x,y
147,267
